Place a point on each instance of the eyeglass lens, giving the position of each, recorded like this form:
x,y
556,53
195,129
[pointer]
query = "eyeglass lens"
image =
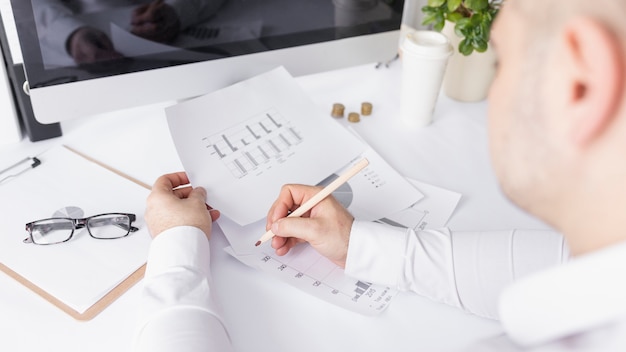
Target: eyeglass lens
x,y
109,226
52,231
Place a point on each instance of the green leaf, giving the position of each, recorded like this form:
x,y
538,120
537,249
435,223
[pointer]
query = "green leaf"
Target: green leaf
x,y
479,45
465,47
485,31
476,5
476,20
454,17
458,30
436,3
429,18
463,23
462,27
439,26
453,5
428,9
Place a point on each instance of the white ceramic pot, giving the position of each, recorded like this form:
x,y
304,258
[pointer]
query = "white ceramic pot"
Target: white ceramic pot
x,y
468,78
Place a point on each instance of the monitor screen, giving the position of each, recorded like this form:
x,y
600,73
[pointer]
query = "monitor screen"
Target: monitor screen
x,y
108,54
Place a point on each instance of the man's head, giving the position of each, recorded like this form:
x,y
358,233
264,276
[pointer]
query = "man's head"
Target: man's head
x,y
557,116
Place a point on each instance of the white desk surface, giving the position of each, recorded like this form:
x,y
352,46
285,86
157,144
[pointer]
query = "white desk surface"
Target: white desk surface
x,y
262,313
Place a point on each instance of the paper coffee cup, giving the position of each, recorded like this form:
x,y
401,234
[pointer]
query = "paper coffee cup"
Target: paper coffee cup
x,y
424,58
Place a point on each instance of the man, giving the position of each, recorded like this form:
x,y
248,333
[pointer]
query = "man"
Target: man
x,y
557,129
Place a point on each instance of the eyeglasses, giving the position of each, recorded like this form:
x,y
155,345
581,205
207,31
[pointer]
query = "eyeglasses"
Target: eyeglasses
x,y
102,226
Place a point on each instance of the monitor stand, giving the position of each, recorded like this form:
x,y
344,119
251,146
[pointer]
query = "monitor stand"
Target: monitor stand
x,y
36,131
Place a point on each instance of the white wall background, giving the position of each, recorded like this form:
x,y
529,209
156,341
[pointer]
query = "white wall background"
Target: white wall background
x,y
412,16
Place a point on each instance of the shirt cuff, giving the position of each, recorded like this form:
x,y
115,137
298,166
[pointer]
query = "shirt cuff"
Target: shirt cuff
x,y
376,253
182,246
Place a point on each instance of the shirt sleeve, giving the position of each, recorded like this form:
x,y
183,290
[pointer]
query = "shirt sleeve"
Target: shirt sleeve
x,y
55,23
177,310
463,269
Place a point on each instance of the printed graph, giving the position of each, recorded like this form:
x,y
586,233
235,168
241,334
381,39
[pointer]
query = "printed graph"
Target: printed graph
x,y
305,268
255,144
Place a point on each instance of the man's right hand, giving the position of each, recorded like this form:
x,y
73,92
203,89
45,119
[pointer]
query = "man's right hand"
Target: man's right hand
x,y
326,226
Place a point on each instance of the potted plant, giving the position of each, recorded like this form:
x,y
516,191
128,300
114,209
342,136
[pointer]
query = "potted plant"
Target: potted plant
x,y
467,23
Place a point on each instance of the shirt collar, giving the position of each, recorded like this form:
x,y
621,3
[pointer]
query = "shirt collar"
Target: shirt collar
x,y
588,291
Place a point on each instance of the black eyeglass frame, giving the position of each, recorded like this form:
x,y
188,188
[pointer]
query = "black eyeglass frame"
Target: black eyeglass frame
x,y
79,223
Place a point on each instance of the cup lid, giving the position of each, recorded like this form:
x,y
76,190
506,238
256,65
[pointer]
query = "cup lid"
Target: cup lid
x,y
427,43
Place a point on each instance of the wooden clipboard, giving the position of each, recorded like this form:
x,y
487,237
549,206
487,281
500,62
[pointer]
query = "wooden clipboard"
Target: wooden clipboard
x,y
107,299
95,309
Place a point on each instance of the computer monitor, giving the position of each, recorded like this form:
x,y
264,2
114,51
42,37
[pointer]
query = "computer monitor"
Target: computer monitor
x,y
215,43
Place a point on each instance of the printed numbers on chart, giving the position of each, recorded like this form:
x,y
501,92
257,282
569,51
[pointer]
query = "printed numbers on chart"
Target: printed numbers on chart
x,y
299,275
266,259
282,267
316,283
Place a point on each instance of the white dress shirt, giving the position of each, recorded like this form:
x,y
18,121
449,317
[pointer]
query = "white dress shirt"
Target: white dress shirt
x,y
468,270
177,311
580,306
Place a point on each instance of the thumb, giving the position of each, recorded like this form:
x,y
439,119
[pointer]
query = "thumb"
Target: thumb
x,y
215,214
198,193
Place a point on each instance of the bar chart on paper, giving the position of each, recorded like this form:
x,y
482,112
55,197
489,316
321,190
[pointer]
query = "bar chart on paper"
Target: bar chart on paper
x,y
304,268
255,144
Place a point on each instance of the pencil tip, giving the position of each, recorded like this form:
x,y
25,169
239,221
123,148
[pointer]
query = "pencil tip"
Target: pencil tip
x,y
257,243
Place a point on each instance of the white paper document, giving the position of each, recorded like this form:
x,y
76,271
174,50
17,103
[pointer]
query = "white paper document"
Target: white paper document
x,y
82,270
433,211
305,268
244,142
376,192
390,199
131,45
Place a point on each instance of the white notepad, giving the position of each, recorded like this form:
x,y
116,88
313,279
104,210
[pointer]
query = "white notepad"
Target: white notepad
x,y
78,275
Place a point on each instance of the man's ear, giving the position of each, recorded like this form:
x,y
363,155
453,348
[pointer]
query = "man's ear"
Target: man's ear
x,y
595,62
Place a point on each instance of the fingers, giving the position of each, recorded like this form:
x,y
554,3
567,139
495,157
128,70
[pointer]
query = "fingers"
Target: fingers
x,y
178,184
326,227
291,196
90,45
303,229
198,194
170,181
215,214
147,13
156,21
139,10
283,245
173,202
